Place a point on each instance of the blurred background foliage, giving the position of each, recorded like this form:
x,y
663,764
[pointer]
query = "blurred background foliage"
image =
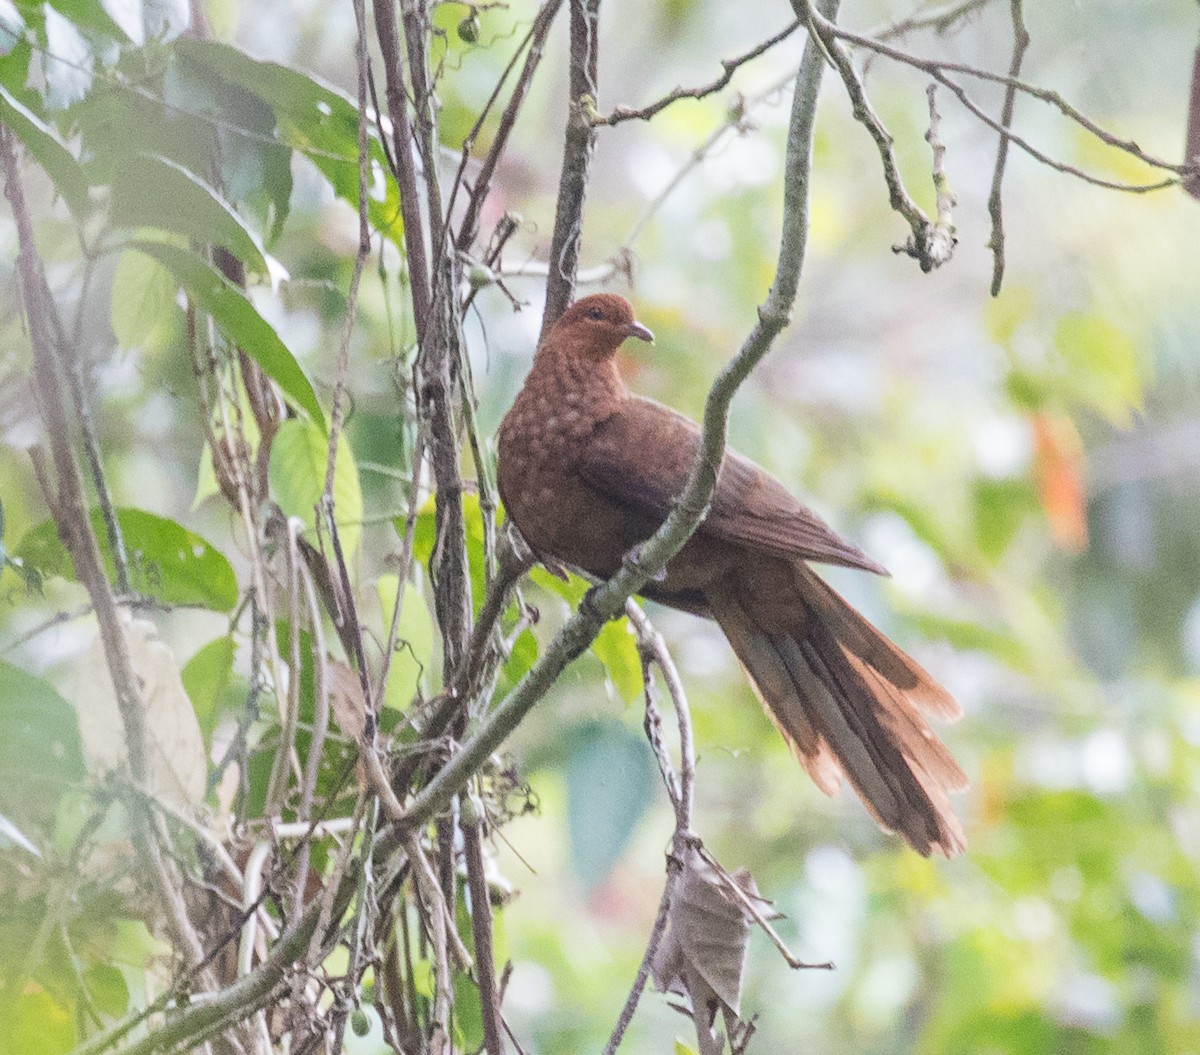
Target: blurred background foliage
x,y
1025,466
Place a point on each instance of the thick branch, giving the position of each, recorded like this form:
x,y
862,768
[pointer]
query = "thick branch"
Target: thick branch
x,y
577,159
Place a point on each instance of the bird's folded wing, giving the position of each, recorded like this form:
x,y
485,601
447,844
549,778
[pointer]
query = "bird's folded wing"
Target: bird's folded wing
x,y
640,456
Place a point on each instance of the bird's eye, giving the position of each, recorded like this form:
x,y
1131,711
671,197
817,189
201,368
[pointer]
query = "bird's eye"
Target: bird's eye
x,y
595,314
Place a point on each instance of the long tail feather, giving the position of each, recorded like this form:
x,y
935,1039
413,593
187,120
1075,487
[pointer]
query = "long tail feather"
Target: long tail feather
x,y
849,702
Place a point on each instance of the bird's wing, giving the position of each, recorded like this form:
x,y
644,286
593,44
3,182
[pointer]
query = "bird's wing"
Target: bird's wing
x,y
640,456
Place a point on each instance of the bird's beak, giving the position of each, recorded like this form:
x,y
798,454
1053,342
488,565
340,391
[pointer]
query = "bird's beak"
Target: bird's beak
x,y
642,333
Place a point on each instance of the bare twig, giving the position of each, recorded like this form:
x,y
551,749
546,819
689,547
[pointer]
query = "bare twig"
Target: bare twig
x,y
995,207
388,34
921,244
481,923
939,71
729,66
941,234
536,40
653,652
940,21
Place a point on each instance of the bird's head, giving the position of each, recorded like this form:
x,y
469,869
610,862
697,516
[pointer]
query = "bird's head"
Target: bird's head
x,y
596,326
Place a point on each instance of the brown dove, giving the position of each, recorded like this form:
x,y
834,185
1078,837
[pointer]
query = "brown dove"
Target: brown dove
x,y
588,471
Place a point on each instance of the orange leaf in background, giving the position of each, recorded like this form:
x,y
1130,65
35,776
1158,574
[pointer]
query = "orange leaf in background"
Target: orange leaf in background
x,y
1058,469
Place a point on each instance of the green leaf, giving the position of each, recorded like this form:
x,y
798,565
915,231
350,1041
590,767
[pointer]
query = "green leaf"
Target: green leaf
x,y
166,561
414,641
40,751
107,988
298,459
38,1025
233,312
315,119
143,302
425,538
68,61
1001,507
206,679
610,778
153,191
616,647
51,153
1102,363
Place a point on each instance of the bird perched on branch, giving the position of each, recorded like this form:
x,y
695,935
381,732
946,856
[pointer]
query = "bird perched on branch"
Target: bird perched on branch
x,y
588,471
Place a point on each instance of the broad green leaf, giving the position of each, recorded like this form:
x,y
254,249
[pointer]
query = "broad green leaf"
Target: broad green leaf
x,y
68,61
153,191
315,119
610,778
51,153
233,312
107,989
616,647
298,459
256,166
414,641
522,658
1001,507
143,302
206,679
38,1025
425,540
40,751
166,561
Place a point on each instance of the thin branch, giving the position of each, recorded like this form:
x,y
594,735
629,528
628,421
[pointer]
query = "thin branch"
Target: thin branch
x,y
941,234
938,70
481,923
388,34
536,40
729,66
921,245
995,207
653,652
941,21
607,600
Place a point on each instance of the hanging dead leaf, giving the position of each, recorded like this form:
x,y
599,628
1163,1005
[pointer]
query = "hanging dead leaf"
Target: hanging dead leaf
x,y
346,700
703,953
177,763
